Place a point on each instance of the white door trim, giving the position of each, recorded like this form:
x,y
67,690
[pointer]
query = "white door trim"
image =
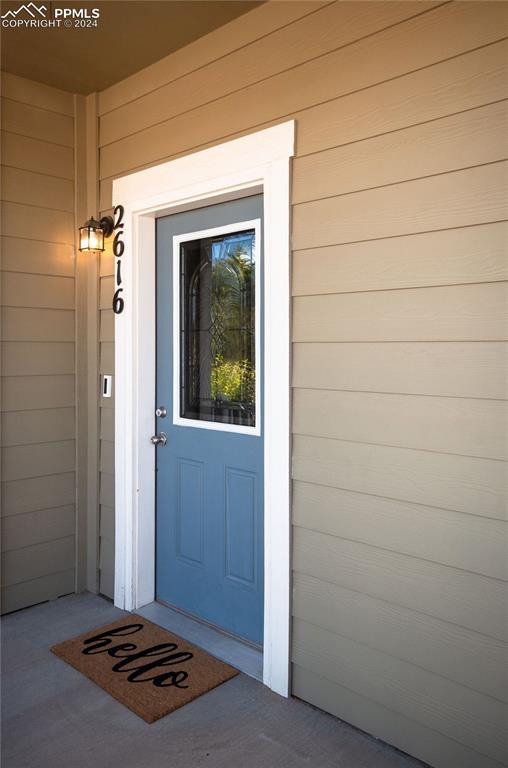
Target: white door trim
x,y
257,162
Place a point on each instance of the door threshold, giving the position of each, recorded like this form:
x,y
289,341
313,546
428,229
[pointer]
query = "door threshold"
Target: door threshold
x,y
209,624
241,655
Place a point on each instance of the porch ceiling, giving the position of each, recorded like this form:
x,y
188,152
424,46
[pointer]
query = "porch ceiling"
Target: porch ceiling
x,y
131,34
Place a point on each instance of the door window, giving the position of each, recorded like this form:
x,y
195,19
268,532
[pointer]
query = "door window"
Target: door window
x,y
217,324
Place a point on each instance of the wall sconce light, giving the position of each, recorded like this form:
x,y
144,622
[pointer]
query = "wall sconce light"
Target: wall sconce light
x,y
93,232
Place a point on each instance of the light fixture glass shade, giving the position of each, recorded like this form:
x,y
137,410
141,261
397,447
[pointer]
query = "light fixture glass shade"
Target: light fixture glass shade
x,y
91,236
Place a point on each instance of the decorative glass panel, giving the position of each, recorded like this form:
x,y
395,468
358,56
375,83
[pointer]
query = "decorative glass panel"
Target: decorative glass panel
x,y
217,327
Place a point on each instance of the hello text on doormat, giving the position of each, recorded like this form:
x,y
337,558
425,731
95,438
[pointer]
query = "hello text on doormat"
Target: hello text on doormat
x,y
146,668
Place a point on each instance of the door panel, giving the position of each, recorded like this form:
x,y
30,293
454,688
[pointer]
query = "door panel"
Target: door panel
x,y
209,486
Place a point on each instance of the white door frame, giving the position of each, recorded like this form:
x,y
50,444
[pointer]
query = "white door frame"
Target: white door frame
x,y
259,162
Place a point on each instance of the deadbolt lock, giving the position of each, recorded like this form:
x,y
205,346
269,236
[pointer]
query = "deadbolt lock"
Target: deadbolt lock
x,y
161,412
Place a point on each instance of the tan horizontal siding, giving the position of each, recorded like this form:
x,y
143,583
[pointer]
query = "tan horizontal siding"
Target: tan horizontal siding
x,y
37,94
459,483
37,590
108,402
38,426
468,542
36,493
468,658
27,120
37,560
106,291
454,85
107,357
444,424
477,78
27,324
399,325
454,256
460,597
107,462
107,498
413,44
417,694
37,156
107,426
332,28
406,154
107,262
20,186
107,325
236,34
458,199
107,530
451,313
23,290
34,392
453,369
33,358
37,257
37,527
435,702
38,356
36,223
393,726
27,461
106,559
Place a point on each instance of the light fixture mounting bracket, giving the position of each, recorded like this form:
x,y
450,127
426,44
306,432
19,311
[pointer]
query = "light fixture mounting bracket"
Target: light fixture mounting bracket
x,y
107,225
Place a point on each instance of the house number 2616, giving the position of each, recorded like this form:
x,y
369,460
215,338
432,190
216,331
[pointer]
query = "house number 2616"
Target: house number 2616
x,y
118,249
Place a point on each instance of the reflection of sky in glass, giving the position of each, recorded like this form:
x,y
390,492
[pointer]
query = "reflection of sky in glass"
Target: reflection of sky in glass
x,y
227,245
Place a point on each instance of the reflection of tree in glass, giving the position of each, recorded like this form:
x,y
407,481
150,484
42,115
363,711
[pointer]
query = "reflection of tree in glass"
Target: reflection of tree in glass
x,y
232,375
232,380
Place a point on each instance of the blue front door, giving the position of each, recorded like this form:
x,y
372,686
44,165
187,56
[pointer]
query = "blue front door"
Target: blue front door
x,y
209,485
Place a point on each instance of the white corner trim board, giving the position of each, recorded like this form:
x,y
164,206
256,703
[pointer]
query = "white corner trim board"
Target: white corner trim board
x,y
250,164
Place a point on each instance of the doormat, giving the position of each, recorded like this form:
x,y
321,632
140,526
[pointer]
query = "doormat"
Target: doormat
x,y
146,668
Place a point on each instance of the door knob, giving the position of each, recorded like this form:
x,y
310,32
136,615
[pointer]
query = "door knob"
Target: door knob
x,y
160,439
161,412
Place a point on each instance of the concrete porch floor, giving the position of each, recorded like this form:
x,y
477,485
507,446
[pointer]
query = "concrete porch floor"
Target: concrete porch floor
x,y
54,717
